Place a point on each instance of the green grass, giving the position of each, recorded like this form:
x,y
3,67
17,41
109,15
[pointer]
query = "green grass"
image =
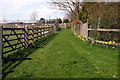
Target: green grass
x,y
66,56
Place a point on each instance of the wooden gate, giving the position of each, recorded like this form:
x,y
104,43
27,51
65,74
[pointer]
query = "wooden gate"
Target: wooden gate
x,y
12,39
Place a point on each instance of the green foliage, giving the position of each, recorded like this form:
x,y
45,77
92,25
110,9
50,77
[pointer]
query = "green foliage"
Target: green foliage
x,y
106,14
83,15
109,18
59,20
42,19
66,21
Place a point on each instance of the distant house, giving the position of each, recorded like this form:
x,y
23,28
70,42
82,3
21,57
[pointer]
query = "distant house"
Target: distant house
x,y
16,25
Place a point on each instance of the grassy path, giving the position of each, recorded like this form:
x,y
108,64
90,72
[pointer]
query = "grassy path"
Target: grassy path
x,y
66,56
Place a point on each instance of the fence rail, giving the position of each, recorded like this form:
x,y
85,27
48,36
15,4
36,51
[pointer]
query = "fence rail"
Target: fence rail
x,y
12,39
115,30
84,31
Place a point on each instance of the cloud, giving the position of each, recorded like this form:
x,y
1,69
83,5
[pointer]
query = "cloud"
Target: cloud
x,y
21,9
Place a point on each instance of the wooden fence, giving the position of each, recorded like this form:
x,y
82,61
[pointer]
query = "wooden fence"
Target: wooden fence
x,y
12,39
81,29
84,31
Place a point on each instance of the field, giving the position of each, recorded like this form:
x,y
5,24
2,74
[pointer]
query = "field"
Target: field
x,y
64,56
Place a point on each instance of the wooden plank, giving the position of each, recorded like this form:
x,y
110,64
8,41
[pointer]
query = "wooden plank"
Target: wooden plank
x,y
13,34
115,30
29,29
34,28
13,28
26,36
36,37
33,35
12,39
30,34
1,42
37,34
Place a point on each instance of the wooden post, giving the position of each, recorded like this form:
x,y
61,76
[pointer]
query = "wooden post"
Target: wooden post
x,y
33,34
90,31
37,33
52,29
75,28
1,42
1,48
26,37
98,23
79,29
97,35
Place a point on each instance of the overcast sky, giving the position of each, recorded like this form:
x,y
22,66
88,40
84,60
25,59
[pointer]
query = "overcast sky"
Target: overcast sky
x,y
22,9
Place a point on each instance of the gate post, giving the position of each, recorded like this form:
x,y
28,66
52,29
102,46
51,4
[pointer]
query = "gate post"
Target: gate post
x,y
1,49
1,41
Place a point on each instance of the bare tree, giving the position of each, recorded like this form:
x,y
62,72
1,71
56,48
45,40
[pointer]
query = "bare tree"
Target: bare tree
x,y
4,20
34,16
71,6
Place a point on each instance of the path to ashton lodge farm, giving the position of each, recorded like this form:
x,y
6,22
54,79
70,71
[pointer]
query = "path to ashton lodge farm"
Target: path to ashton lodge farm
x,y
66,56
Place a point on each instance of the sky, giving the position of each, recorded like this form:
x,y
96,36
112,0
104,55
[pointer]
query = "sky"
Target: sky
x,y
22,9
